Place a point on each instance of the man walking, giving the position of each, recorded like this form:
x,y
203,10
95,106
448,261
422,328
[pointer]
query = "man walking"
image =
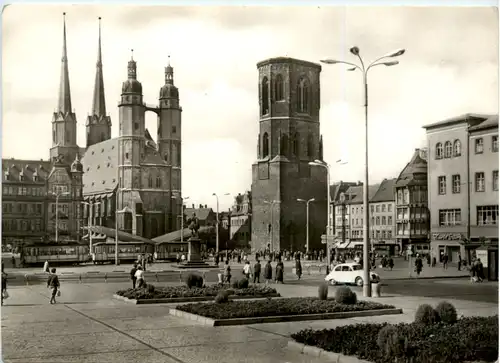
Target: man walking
x,y
256,272
132,275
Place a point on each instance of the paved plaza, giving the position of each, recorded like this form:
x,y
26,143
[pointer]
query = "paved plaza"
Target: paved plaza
x,y
87,325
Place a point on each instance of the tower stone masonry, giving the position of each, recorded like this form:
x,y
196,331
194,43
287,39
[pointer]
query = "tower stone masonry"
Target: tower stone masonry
x,y
289,139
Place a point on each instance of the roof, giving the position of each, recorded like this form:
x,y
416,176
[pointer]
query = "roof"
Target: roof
x,y
338,188
288,60
468,117
29,169
100,162
201,213
175,236
122,236
385,192
490,122
357,193
416,169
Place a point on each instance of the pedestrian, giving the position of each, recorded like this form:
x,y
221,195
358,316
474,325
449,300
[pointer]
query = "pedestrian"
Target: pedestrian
x,y
279,271
247,269
227,272
133,270
298,267
54,285
480,270
418,265
177,257
139,275
459,262
46,267
268,271
434,261
216,259
256,272
391,263
445,262
13,261
5,294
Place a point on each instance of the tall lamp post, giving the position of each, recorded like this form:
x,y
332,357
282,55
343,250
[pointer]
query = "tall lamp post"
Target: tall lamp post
x,y
367,292
307,220
57,195
90,206
328,225
272,221
217,223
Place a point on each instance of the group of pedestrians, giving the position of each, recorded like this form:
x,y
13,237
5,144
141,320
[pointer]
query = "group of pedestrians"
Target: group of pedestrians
x,y
137,275
254,273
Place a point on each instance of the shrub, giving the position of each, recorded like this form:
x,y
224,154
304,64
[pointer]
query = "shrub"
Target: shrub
x,y
243,283
345,295
323,291
150,288
194,280
384,336
426,315
222,297
446,312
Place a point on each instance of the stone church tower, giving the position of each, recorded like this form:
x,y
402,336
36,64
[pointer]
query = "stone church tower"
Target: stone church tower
x,y
289,139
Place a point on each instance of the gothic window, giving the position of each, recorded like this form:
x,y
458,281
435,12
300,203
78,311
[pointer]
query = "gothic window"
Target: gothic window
x,y
278,88
158,182
265,145
303,96
150,182
447,149
439,150
310,146
174,129
54,135
126,156
295,144
165,157
136,126
457,148
265,96
284,144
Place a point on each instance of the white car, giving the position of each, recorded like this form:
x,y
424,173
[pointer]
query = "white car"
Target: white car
x,y
349,273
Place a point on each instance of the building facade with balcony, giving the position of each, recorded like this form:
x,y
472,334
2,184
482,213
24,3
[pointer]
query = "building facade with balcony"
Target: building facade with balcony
x,y
339,212
463,187
411,202
382,219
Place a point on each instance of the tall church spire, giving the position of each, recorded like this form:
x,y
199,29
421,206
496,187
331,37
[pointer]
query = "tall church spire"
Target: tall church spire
x,y
99,102
64,105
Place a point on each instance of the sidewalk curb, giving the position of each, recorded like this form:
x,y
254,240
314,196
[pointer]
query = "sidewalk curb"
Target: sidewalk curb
x,y
426,278
320,353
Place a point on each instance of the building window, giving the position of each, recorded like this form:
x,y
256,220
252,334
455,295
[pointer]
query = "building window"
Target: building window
x,y
487,215
389,220
480,182
450,217
457,148
265,96
278,88
371,208
406,196
150,182
384,221
136,126
383,208
174,129
447,149
303,96
377,221
284,145
456,183
494,143
495,180
439,150
310,147
441,185
158,182
265,145
377,208
295,144
479,145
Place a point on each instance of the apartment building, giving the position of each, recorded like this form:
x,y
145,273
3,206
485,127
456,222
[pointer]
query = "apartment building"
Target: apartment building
x,y
382,217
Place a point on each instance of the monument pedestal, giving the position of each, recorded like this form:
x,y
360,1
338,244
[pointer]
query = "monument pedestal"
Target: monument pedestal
x,y
194,255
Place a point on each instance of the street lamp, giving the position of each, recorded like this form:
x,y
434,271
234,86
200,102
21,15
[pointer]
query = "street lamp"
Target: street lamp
x,y
181,216
325,165
366,214
217,223
272,221
91,209
57,195
307,220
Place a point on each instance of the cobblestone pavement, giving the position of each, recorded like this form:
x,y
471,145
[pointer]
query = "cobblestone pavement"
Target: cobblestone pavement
x,y
87,325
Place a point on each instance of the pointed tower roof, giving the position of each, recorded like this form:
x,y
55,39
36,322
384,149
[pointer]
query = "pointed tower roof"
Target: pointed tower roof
x,y
99,102
64,105
169,90
415,171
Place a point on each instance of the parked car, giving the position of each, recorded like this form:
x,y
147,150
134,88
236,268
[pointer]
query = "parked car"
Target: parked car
x,y
349,273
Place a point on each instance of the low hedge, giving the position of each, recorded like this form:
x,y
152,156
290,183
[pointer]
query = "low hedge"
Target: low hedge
x,y
167,292
276,307
470,339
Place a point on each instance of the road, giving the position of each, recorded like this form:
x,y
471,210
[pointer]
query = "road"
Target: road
x,y
460,289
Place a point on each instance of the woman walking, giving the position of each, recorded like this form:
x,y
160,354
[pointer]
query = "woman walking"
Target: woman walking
x,y
298,267
268,272
139,276
279,271
53,284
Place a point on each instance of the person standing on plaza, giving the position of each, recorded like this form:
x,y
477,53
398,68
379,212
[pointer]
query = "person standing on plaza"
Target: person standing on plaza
x,y
46,267
298,267
247,270
54,285
256,272
459,262
279,271
227,272
390,263
445,261
139,275
5,294
268,271
479,270
132,275
418,265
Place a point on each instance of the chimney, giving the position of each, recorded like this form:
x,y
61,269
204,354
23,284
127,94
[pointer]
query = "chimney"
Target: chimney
x,y
193,205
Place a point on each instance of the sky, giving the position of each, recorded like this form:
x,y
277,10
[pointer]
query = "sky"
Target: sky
x,y
450,68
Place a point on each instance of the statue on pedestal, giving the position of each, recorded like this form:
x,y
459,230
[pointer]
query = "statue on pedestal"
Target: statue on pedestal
x,y
194,225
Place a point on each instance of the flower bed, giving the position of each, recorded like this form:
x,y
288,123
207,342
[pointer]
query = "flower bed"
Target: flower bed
x,y
468,340
276,307
169,292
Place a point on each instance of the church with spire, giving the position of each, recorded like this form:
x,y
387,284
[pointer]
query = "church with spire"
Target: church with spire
x,y
130,177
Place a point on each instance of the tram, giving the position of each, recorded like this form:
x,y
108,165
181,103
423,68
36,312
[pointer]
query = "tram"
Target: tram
x,y
168,251
104,252
64,253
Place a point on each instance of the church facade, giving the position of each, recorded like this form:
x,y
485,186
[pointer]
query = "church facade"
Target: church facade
x,y
131,174
289,139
